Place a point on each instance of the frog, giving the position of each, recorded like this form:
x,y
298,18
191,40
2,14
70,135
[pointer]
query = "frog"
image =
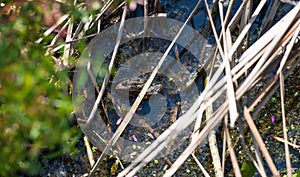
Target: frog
x,y
134,86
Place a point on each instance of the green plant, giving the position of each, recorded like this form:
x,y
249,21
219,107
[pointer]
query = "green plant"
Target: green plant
x,y
34,111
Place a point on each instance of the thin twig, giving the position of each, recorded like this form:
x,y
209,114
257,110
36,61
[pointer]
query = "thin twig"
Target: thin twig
x,y
230,89
68,47
105,82
247,27
212,141
200,166
286,146
52,28
270,18
89,151
295,146
259,166
260,142
235,165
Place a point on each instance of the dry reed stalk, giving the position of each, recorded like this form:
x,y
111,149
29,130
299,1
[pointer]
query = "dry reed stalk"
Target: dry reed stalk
x,y
205,173
230,89
234,161
224,145
212,141
58,35
100,94
295,146
261,167
199,107
68,50
259,164
270,18
53,27
246,28
234,21
286,146
260,55
89,151
260,142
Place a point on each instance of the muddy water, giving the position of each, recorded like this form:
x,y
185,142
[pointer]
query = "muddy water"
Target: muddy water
x,y
179,9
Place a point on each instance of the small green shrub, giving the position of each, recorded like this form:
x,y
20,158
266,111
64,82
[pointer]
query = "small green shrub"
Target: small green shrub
x,y
34,111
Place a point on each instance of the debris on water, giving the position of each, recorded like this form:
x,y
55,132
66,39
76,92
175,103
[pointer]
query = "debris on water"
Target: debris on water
x,y
150,135
119,121
273,119
133,153
134,138
165,167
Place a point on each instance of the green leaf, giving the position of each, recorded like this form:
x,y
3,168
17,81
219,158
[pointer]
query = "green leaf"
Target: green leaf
x,y
248,169
298,174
